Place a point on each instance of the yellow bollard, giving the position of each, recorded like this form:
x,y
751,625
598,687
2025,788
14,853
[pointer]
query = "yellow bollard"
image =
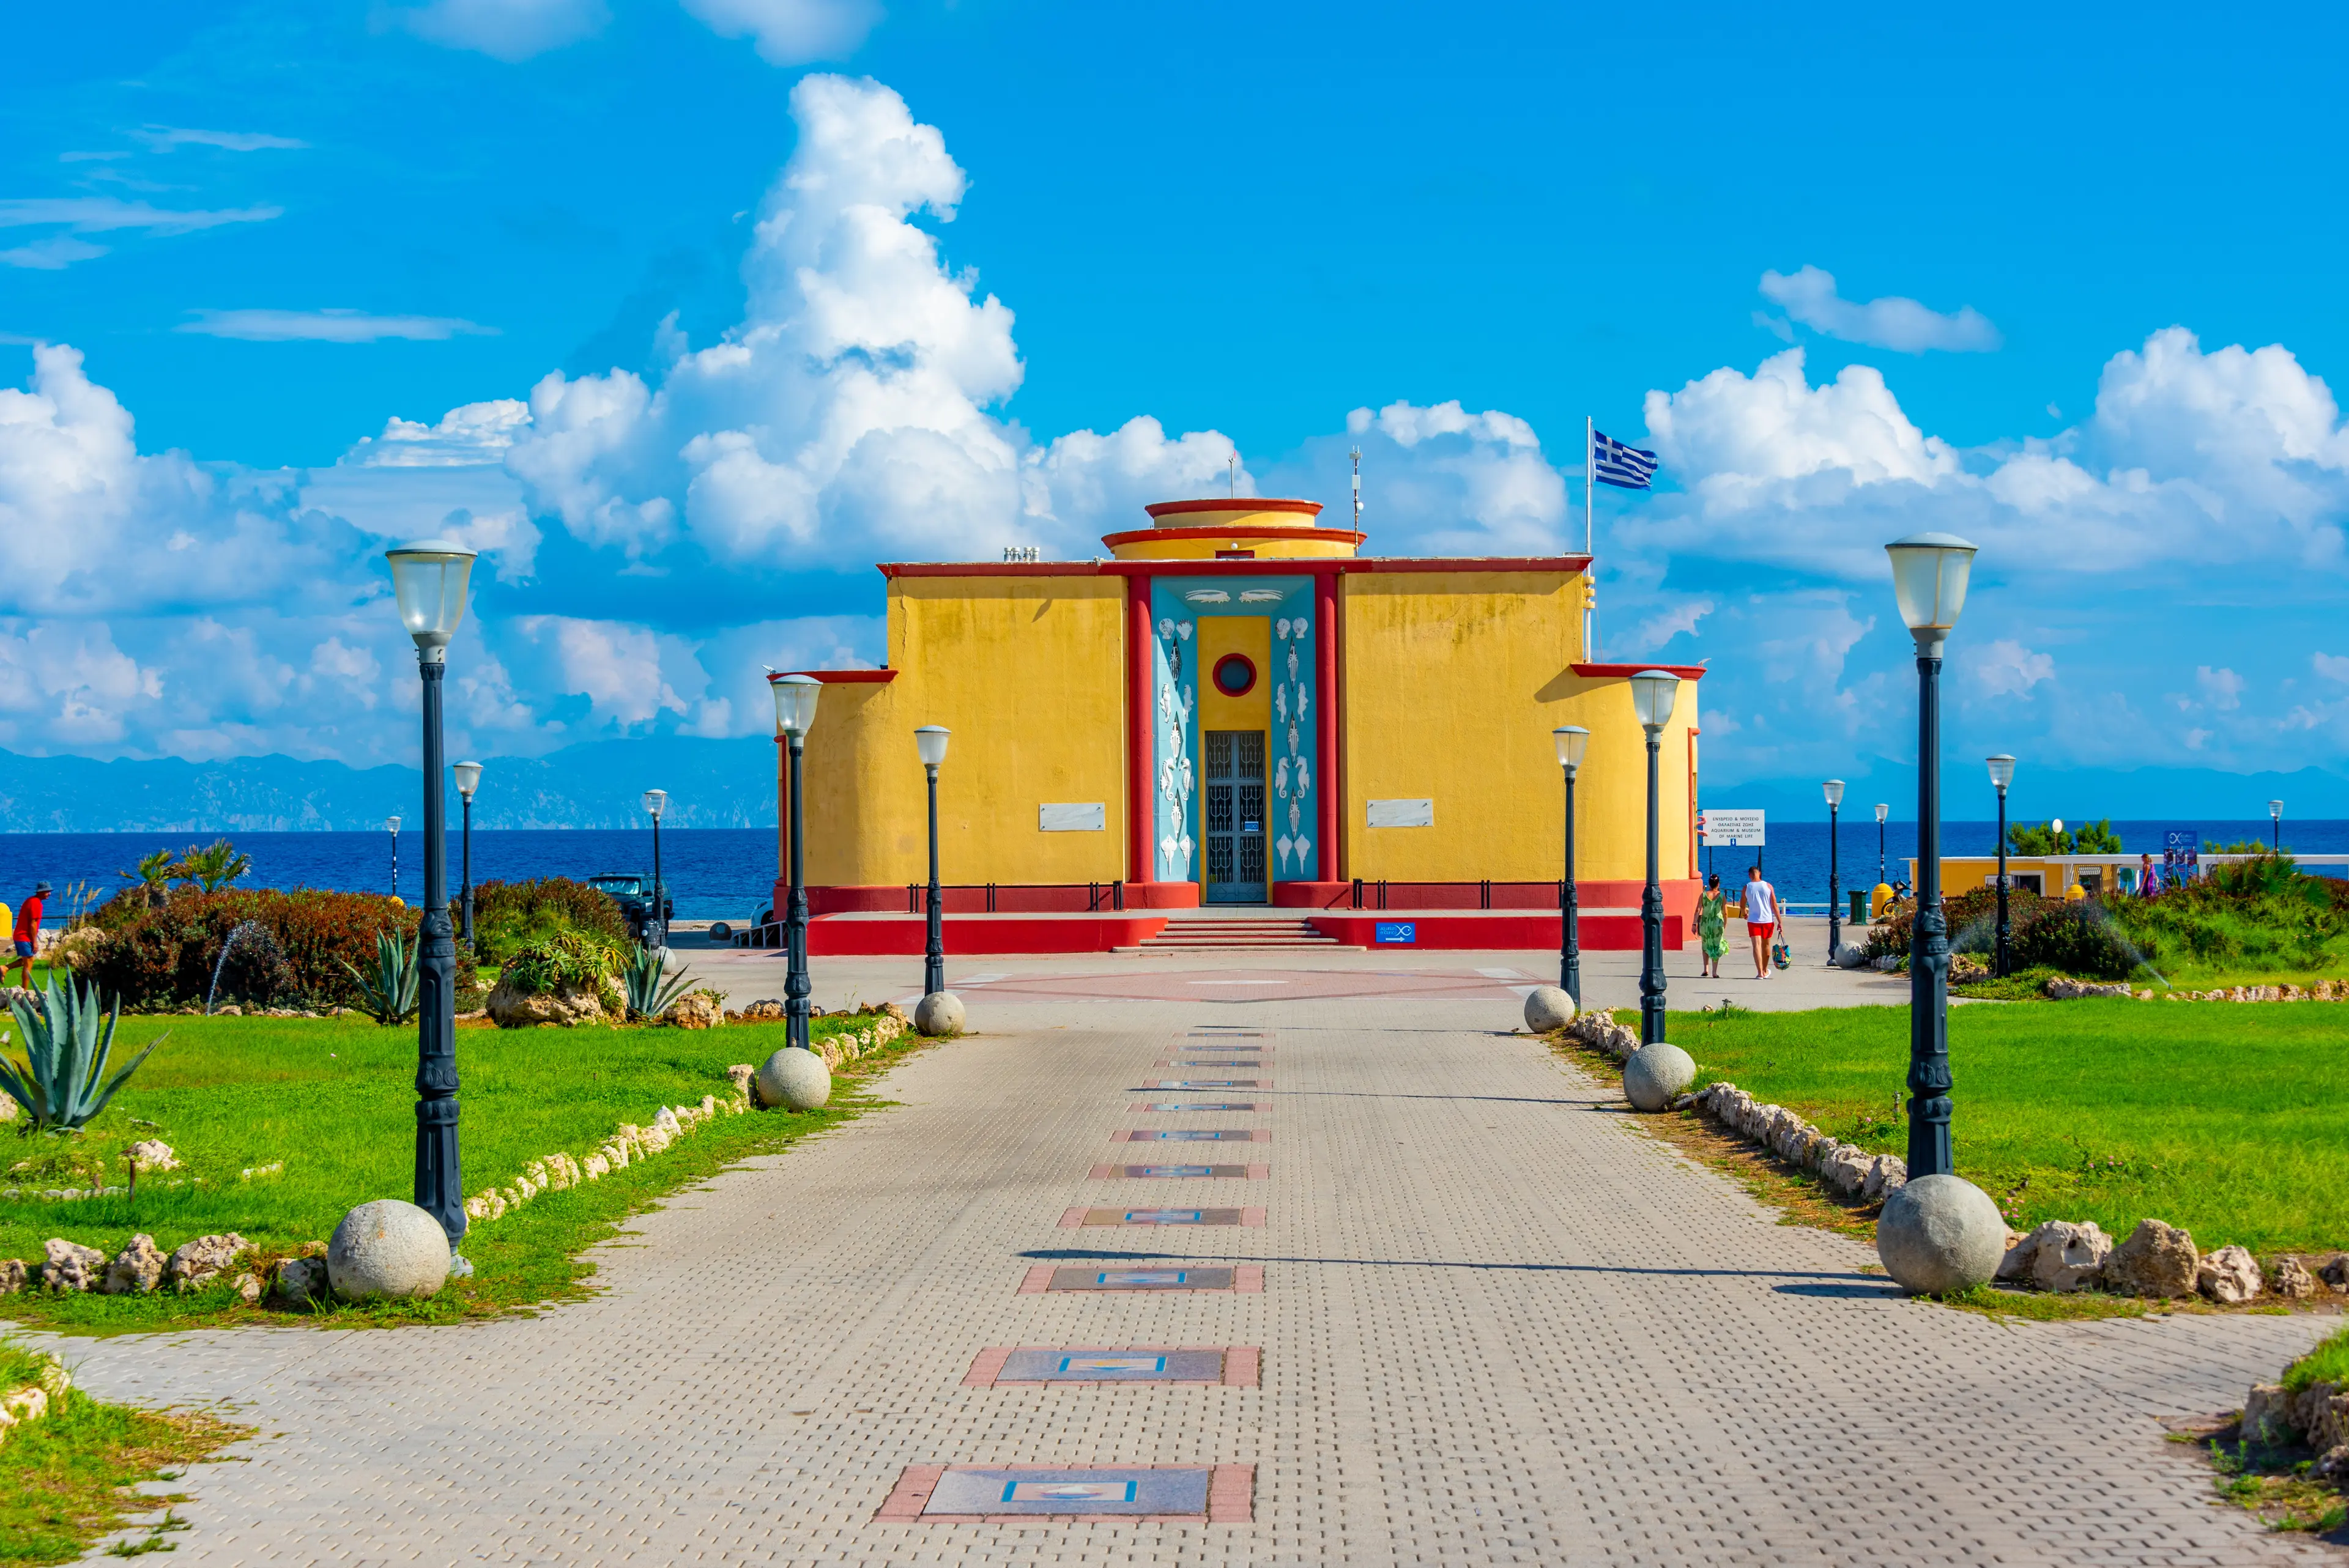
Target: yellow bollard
x,y
1878,899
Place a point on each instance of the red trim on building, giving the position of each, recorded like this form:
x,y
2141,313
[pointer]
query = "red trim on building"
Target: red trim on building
x,y
1603,671
1233,503
1262,566
1468,563
1237,530
841,677
1325,728
1140,865
894,569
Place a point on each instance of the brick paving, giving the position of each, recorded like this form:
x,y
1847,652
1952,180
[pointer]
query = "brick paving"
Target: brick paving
x,y
1497,1323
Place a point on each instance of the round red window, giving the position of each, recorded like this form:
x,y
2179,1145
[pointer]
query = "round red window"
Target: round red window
x,y
1235,675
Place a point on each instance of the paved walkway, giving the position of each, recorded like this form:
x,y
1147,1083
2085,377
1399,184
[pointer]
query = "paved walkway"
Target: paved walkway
x,y
1497,1324
1610,979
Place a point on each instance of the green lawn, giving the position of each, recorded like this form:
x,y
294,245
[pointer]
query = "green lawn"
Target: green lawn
x,y
64,1478
2224,1119
334,1101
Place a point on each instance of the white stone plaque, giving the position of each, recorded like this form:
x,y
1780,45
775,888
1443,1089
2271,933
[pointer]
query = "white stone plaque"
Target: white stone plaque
x,y
1085,817
1402,813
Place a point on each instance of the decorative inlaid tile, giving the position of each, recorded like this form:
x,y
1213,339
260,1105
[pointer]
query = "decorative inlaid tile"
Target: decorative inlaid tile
x,y
966,1494
1233,1366
1145,1172
1225,1062
1243,1278
1208,1083
1211,1104
1163,1216
1193,1135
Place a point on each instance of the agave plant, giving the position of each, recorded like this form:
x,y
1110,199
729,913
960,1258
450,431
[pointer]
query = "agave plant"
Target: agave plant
x,y
389,993
62,1082
649,993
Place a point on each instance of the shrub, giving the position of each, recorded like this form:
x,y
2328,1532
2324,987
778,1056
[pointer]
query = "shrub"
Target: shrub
x,y
511,917
2079,939
570,961
1972,917
162,956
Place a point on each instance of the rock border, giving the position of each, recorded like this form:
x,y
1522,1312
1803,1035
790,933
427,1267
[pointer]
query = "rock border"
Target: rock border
x,y
33,1400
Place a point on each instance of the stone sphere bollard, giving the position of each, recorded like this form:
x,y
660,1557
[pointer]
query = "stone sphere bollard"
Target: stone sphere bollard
x,y
1548,1008
796,1079
387,1248
1653,1074
1940,1233
940,1012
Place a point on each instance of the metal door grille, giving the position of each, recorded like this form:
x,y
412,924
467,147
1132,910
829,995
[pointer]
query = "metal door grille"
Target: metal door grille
x,y
1234,816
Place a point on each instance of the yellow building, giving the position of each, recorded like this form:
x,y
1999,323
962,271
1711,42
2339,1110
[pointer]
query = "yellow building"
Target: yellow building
x,y
1238,707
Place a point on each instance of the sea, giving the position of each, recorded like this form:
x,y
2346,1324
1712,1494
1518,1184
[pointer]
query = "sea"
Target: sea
x,y
728,874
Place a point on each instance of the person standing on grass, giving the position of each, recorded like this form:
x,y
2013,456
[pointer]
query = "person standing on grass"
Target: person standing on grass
x,y
1761,918
28,932
1712,924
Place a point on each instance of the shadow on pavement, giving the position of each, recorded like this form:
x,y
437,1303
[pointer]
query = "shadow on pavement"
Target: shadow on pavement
x,y
1102,1254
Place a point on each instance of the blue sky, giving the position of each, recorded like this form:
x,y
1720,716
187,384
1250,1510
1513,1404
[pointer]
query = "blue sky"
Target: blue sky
x,y
690,309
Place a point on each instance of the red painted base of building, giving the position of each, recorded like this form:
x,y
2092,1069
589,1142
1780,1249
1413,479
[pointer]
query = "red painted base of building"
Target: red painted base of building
x,y
976,936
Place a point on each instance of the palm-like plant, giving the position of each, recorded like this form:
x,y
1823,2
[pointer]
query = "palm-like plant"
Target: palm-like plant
x,y
214,867
154,873
649,995
62,1081
389,991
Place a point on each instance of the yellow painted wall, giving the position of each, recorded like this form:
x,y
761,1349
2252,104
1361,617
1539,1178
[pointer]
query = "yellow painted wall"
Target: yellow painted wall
x,y
1452,684
1027,673
1248,635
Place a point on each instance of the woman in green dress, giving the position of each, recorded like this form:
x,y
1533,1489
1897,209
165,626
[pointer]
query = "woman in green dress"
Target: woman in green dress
x,y
1711,923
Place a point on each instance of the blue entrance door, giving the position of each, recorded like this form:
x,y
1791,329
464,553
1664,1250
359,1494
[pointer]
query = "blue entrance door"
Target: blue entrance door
x,y
1235,802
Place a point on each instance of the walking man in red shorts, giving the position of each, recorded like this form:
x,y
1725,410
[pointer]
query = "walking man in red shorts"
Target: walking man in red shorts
x,y
28,932
1761,918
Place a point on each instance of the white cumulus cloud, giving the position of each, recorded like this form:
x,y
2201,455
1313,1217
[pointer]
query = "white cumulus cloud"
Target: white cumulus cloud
x,y
1809,296
507,30
2004,667
791,31
852,412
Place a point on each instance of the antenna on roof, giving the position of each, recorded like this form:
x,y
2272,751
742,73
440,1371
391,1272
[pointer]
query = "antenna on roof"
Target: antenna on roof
x,y
1233,462
1357,455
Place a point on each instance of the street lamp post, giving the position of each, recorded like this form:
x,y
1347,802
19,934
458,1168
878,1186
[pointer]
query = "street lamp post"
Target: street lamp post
x,y
468,779
1571,740
391,826
795,712
1652,694
1882,811
930,745
657,926
2276,815
1833,789
427,582
2001,774
1929,571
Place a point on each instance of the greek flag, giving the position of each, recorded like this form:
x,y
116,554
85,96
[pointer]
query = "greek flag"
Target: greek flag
x,y
1626,467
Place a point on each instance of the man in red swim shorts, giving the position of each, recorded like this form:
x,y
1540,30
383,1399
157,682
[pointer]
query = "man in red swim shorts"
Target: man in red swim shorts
x,y
1761,918
28,933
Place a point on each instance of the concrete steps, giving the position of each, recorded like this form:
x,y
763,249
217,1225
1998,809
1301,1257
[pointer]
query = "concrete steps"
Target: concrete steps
x,y
1226,934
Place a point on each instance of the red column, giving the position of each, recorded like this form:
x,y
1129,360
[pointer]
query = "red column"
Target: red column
x,y
1141,865
1325,686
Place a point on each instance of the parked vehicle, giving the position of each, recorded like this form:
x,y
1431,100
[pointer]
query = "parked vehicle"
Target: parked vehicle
x,y
634,894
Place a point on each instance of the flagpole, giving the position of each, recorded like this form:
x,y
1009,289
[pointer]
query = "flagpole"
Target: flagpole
x,y
1590,586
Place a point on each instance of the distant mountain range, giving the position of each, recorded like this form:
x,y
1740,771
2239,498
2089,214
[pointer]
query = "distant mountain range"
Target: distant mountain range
x,y
598,784
2184,795
731,784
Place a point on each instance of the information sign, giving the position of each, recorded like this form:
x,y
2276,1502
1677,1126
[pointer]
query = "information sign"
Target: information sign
x,y
1724,828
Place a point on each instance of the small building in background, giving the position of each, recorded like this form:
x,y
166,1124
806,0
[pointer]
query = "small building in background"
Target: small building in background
x,y
1238,708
